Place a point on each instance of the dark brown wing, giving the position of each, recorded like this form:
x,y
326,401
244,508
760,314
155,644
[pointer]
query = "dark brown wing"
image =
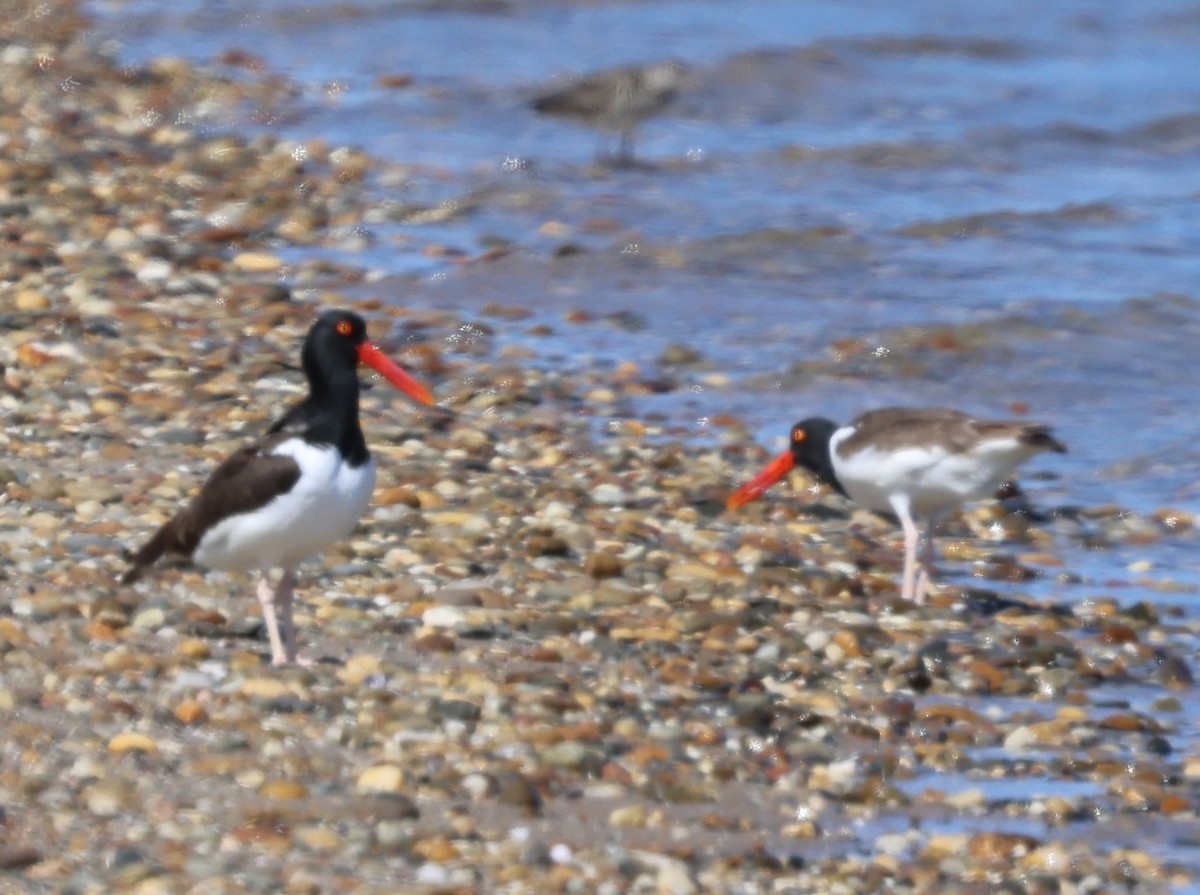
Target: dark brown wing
x,y
892,428
250,478
1036,435
957,432
581,99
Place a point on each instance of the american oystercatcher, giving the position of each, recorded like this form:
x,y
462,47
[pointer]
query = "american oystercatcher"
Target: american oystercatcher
x,y
617,100
913,462
282,499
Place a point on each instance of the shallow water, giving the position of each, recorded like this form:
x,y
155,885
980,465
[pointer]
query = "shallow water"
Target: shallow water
x,y
1001,790
856,204
835,170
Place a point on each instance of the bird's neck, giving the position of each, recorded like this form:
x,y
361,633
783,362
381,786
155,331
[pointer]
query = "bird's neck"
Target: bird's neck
x,y
818,459
331,414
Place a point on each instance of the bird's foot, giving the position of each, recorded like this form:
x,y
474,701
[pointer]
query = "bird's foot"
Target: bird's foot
x,y
282,660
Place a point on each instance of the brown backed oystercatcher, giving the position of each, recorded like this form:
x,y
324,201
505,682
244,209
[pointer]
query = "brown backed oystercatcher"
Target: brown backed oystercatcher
x,y
617,100
913,462
282,499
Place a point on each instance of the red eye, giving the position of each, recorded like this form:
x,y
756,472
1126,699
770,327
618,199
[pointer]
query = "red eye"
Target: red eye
x,y
344,328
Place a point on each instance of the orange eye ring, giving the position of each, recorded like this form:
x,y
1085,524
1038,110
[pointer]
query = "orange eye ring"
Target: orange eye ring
x,y
798,435
344,328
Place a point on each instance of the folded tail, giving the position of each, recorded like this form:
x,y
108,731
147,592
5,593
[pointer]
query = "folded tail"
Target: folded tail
x,y
1041,437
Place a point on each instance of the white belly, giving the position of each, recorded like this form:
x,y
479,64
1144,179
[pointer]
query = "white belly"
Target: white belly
x,y
321,508
934,480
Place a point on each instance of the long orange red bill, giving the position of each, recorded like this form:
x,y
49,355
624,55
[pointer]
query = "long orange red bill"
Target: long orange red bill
x,y
393,373
756,487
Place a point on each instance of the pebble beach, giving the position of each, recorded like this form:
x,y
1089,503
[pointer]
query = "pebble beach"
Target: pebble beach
x,y
549,661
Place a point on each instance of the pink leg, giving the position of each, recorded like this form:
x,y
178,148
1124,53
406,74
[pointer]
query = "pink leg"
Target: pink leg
x,y
266,599
908,590
285,594
928,556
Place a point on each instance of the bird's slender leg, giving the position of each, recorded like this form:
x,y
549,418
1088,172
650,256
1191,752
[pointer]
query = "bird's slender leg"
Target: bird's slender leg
x,y
928,559
266,599
922,586
603,151
908,590
284,595
625,156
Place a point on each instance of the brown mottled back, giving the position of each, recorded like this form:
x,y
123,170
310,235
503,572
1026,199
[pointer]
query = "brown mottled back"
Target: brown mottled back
x,y
900,427
616,98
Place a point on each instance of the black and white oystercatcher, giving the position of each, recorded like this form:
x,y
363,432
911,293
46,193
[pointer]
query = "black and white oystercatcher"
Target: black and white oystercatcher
x,y
282,499
617,100
914,462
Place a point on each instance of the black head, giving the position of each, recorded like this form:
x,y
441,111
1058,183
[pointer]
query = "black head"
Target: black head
x,y
332,351
808,446
809,443
333,341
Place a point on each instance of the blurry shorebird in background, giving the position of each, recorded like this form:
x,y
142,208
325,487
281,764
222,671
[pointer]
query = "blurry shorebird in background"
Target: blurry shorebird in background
x,y
617,100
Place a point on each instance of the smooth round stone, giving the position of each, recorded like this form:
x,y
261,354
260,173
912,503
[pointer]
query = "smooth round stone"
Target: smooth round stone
x,y
628,817
131,741
149,618
109,798
265,688
181,436
121,239
605,791
256,262
1021,739
895,844
189,712
572,755
85,543
666,731
608,494
392,834
431,874
443,617
1175,674
283,790
382,778
359,669
513,788
603,565
389,806
673,879
537,855
454,710
547,545
154,271
556,509
477,785
319,838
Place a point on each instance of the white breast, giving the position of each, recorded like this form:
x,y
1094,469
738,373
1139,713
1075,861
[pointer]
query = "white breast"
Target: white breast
x,y
933,478
322,507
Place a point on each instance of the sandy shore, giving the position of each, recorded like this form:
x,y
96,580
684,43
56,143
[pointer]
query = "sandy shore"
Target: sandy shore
x,y
548,661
